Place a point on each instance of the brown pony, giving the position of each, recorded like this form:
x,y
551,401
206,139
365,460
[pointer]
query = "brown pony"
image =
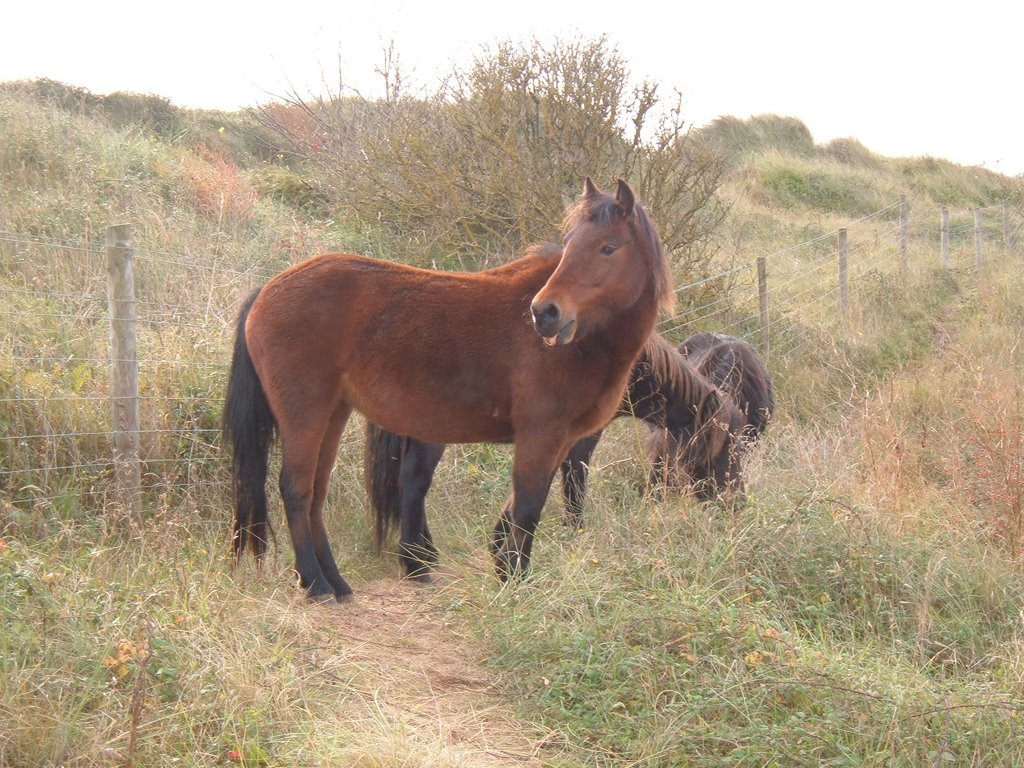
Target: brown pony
x,y
442,357
664,390
731,413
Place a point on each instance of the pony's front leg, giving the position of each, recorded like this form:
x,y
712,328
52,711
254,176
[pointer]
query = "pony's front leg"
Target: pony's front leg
x,y
512,543
575,470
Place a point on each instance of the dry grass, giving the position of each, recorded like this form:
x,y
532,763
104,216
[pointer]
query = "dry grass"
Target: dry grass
x,y
154,652
863,608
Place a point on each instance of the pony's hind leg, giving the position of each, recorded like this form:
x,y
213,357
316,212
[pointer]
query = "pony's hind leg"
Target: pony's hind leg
x,y
416,550
325,463
296,492
302,472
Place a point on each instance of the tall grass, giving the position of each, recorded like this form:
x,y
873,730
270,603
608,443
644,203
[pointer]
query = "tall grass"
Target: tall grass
x,y
862,608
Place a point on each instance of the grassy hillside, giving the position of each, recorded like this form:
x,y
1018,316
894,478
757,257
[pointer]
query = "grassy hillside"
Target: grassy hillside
x,y
863,607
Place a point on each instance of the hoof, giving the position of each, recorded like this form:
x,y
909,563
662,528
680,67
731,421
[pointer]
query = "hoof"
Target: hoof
x,y
573,522
321,597
511,567
322,592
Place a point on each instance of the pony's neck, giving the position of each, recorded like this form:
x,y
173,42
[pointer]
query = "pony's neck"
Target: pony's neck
x,y
669,389
638,328
623,334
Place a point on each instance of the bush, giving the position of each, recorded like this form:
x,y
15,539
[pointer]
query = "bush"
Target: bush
x,y
851,152
286,186
952,185
488,162
120,109
69,98
153,113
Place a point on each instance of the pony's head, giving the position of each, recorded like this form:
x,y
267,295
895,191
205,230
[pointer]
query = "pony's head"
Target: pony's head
x,y
611,258
703,454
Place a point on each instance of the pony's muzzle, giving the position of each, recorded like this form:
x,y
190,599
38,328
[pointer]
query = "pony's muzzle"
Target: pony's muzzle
x,y
552,324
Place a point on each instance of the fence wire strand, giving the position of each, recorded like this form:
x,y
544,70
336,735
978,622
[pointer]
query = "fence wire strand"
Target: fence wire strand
x,y
178,439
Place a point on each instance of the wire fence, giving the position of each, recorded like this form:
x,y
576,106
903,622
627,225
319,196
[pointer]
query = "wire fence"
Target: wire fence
x,y
57,399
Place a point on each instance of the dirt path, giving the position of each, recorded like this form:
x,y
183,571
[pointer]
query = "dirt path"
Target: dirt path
x,y
443,705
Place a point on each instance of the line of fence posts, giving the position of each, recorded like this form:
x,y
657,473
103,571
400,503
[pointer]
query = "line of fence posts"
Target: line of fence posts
x,y
842,252
762,301
1006,227
124,374
904,233
844,291
944,238
977,240
979,262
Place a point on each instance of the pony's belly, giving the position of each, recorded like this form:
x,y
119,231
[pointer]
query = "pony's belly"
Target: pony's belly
x,y
447,431
436,422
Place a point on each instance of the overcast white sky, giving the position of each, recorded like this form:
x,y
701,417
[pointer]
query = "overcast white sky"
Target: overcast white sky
x,y
904,78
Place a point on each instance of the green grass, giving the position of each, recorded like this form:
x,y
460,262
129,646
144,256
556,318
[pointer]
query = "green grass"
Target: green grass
x,y
786,182
799,631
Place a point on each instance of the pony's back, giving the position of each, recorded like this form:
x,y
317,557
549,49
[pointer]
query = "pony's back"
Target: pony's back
x,y
734,366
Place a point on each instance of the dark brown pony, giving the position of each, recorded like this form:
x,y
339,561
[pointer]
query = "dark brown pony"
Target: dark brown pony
x,y
735,367
664,390
444,358
707,454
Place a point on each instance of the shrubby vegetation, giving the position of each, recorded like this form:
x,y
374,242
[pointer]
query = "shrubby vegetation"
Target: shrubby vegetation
x,y
740,139
484,166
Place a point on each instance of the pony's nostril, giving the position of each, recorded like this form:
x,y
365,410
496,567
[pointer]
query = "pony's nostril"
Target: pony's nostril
x,y
547,312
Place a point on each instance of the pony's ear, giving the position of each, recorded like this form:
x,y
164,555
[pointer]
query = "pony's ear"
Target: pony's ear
x,y
624,197
590,190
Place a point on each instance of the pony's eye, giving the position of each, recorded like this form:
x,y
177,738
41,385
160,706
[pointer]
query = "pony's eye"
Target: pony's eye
x,y
608,250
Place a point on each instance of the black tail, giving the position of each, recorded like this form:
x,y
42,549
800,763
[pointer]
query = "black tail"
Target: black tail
x,y
249,426
382,463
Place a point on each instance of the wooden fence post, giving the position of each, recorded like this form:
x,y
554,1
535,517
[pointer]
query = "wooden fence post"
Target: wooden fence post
x,y
844,296
944,237
904,232
762,300
124,369
977,239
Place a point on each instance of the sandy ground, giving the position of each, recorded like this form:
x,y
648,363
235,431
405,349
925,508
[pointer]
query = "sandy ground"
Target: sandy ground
x,y
445,709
